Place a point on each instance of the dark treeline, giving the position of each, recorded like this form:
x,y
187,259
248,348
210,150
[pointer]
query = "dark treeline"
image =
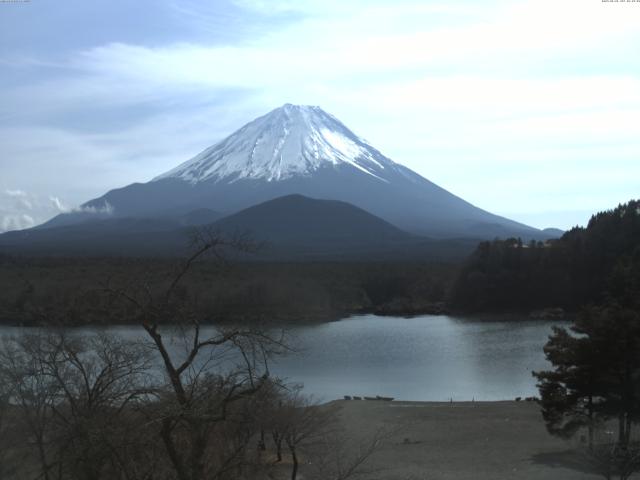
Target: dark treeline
x,y
501,275
509,275
34,290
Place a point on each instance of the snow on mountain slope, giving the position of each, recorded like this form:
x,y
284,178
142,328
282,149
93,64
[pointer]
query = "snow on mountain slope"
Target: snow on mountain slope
x,y
289,141
303,150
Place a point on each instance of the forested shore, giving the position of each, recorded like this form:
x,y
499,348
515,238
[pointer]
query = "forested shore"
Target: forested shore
x,y
500,276
72,291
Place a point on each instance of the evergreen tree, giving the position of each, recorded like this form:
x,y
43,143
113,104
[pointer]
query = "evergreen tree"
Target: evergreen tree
x,y
569,272
568,391
596,363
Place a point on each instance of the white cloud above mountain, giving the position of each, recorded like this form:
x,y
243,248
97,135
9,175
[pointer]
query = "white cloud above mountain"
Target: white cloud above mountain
x,y
508,90
19,209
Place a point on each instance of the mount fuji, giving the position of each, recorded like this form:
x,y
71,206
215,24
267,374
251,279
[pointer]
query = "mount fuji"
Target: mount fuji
x,y
301,150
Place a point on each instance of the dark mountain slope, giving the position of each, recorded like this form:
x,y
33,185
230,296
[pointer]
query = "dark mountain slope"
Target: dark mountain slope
x,y
304,150
295,219
293,227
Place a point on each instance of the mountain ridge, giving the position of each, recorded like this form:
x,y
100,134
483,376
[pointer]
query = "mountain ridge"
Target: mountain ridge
x,y
288,228
292,217
304,150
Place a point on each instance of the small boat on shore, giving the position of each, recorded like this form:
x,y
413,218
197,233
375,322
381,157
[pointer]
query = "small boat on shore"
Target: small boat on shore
x,y
379,398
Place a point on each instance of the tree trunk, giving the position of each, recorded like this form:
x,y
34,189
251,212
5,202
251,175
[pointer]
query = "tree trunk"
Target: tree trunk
x,y
198,446
621,430
590,422
262,444
628,432
43,458
277,439
294,459
174,456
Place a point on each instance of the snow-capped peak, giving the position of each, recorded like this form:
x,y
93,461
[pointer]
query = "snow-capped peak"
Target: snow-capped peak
x,y
293,140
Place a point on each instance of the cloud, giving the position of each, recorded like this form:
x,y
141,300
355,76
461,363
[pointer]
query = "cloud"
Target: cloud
x,y
15,222
105,209
498,88
377,39
398,42
15,193
20,209
58,205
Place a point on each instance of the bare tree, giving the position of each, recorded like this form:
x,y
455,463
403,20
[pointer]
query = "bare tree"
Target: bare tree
x,y
74,393
316,443
7,429
339,456
302,423
215,369
33,393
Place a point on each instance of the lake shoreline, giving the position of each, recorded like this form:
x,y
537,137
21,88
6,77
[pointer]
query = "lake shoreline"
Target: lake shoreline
x,y
317,319
435,357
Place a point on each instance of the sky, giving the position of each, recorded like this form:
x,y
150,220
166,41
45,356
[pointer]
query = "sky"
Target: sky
x,y
528,109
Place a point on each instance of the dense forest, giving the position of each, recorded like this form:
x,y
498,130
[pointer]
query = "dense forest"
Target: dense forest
x,y
500,276
573,271
71,291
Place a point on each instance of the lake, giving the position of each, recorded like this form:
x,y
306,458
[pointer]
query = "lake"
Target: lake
x,y
422,358
433,358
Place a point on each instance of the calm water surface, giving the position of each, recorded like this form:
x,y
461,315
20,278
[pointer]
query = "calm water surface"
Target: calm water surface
x,y
422,358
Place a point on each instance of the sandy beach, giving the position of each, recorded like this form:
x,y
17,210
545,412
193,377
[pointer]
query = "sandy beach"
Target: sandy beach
x,y
464,440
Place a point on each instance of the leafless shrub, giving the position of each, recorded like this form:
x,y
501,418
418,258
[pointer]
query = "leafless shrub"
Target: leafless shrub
x,y
75,397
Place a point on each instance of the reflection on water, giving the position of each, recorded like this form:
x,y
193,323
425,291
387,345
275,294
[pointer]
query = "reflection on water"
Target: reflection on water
x,y
422,358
